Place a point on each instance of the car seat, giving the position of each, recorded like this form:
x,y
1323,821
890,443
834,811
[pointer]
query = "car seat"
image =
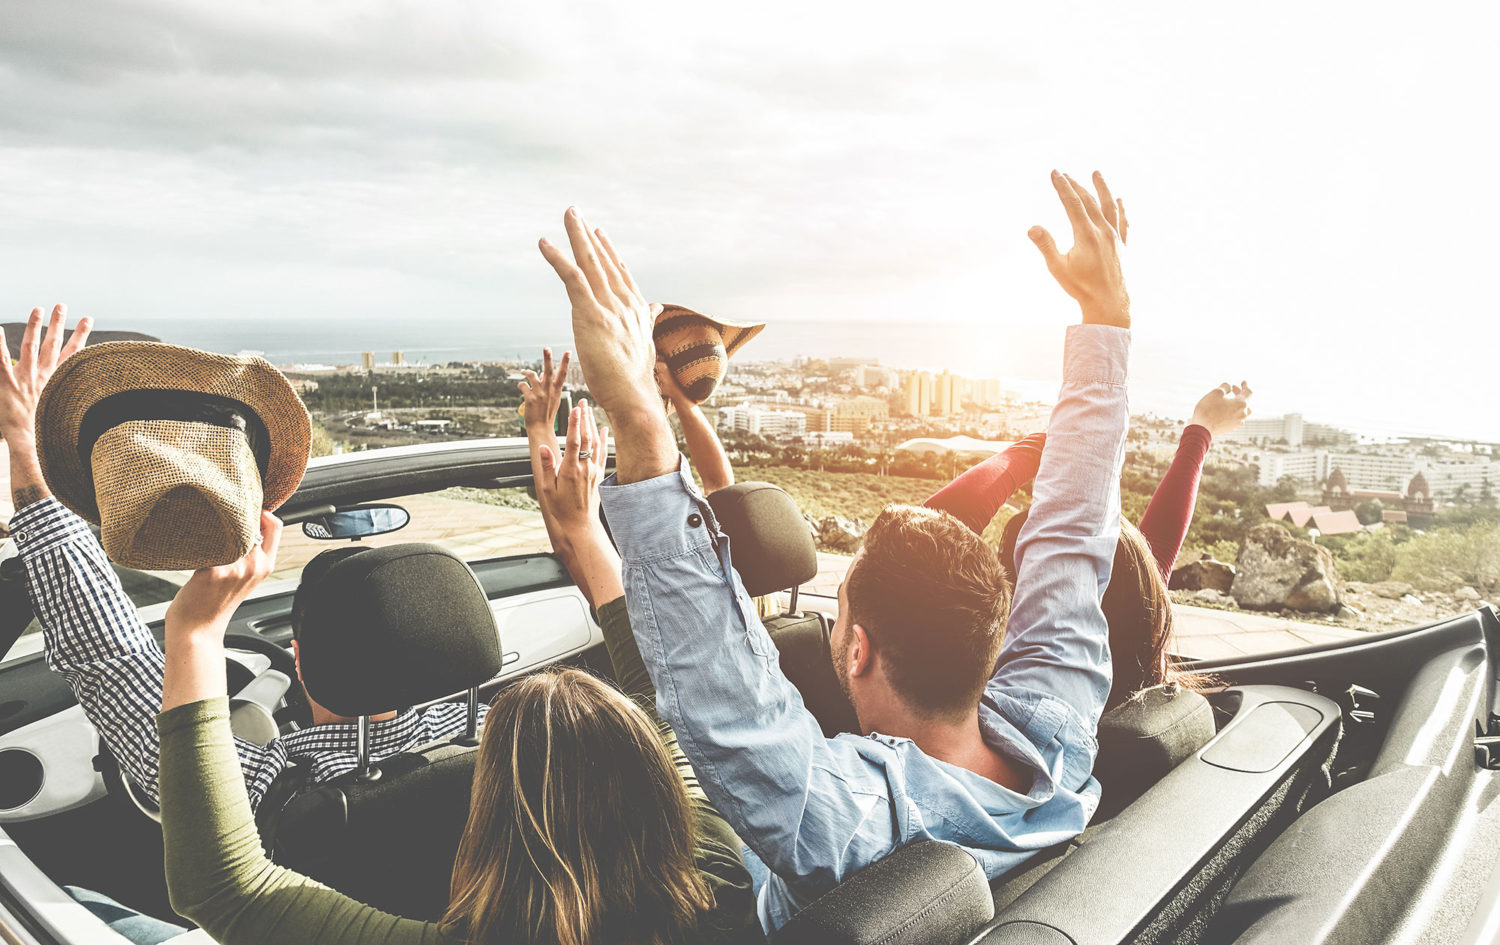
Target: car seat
x,y
382,630
772,550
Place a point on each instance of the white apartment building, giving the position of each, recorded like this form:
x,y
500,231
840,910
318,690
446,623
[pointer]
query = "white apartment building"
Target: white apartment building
x,y
1286,428
760,421
1391,472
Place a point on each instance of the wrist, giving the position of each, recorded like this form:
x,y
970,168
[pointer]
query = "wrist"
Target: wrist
x,y
1112,315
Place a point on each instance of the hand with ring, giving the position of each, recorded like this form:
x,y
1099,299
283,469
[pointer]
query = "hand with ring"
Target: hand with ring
x,y
568,486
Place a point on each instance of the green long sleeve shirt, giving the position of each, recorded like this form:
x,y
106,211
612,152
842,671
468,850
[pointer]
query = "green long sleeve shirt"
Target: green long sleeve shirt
x,y
219,876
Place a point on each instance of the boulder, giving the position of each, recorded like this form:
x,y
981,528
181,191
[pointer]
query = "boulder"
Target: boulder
x,y
840,534
1276,571
1208,597
1391,590
1466,593
1203,574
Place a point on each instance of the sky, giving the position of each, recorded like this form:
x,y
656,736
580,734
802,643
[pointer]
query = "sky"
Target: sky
x,y
1309,185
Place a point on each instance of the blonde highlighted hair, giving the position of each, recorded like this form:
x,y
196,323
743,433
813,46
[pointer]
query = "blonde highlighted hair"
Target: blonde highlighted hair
x,y
580,827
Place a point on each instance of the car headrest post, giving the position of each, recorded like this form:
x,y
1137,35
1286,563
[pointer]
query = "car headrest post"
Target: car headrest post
x,y
471,723
364,771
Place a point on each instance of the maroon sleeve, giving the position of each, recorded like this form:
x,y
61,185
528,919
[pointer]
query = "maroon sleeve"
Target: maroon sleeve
x,y
974,497
1167,518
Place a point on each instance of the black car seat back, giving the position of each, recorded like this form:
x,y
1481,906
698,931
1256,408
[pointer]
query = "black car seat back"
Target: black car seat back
x,y
379,631
773,551
1144,738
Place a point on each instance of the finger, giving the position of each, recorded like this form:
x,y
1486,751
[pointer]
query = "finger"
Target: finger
x,y
1048,246
596,443
1107,201
585,423
1124,223
614,257
1089,204
574,432
1245,386
547,363
584,255
562,371
1225,388
579,293
53,343
6,371
549,467
270,530
1077,215
29,340
617,283
79,338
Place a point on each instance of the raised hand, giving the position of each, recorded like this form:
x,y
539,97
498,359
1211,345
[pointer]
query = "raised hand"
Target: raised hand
x,y
541,394
1224,408
611,320
1090,270
568,487
211,595
21,384
671,391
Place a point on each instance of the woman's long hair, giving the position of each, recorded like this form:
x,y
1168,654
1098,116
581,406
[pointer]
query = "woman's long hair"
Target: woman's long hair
x,y
1139,611
580,828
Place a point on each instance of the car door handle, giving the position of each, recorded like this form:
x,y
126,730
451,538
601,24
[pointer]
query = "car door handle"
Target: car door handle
x,y
511,657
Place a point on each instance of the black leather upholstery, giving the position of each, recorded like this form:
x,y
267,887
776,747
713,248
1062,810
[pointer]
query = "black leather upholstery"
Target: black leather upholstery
x,y
389,843
802,644
1144,738
394,626
925,892
771,543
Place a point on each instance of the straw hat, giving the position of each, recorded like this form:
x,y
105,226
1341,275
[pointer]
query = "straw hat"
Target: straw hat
x,y
172,451
697,348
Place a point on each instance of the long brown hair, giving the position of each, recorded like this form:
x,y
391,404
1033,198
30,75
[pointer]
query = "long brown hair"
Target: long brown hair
x,y
1139,611
580,828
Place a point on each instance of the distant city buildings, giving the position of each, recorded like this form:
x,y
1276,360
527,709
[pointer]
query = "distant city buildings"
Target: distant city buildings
x,y
945,394
398,357
762,421
367,360
1389,468
1289,429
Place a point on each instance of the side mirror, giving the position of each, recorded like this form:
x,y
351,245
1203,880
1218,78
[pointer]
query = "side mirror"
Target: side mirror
x,y
361,521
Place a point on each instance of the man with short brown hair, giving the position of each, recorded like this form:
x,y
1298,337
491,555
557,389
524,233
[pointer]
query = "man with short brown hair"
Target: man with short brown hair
x,y
952,747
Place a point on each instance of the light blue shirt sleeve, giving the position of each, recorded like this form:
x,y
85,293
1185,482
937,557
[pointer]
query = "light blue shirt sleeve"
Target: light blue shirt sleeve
x,y
1057,641
798,800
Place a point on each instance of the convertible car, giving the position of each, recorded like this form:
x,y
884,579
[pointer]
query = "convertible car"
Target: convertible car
x,y
1349,794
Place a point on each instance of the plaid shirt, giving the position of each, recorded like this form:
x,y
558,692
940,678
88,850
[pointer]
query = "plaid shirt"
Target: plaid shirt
x,y
96,640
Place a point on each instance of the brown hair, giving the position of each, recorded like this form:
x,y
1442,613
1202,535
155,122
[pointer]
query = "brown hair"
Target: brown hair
x,y
580,828
933,600
1139,611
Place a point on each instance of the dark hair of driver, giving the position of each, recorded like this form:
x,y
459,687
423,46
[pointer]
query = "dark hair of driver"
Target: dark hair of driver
x,y
580,828
1139,612
313,572
933,599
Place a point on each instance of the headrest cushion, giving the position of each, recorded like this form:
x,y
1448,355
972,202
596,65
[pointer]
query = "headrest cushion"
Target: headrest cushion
x,y
772,545
391,627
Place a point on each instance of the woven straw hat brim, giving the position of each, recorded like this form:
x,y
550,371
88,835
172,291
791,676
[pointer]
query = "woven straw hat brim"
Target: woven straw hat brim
x,y
100,371
697,347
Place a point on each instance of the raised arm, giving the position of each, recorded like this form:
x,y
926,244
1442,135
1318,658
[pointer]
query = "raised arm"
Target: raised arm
x,y
217,873
977,494
1058,639
703,445
1170,513
760,754
91,632
541,394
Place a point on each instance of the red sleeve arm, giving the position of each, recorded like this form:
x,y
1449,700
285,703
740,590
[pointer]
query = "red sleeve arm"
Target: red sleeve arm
x,y
1167,518
974,497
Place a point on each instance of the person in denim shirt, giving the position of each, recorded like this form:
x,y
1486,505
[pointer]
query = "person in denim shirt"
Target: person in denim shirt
x,y
962,741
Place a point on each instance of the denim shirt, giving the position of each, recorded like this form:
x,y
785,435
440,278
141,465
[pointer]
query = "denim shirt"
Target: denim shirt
x,y
813,810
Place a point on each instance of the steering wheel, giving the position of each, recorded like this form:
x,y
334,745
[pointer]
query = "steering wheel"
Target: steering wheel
x,y
296,709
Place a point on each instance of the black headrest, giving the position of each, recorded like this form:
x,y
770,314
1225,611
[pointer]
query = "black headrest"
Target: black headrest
x,y
1144,738
391,627
927,891
771,542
